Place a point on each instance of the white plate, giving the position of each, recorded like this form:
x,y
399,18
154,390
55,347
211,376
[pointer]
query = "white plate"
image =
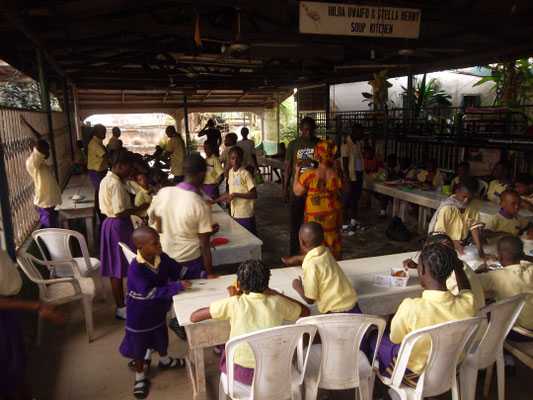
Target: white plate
x,y
525,240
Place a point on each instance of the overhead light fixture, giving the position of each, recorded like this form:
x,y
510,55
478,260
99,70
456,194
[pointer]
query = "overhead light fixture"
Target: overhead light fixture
x,y
239,46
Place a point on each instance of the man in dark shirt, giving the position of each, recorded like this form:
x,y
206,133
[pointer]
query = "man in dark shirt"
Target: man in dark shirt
x,y
213,136
300,149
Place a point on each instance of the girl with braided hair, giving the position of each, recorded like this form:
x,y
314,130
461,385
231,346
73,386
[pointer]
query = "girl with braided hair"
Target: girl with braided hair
x,y
436,305
251,307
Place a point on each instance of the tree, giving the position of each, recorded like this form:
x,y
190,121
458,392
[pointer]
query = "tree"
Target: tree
x,y
24,95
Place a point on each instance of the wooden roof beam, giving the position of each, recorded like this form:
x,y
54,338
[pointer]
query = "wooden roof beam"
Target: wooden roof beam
x,y
206,96
245,95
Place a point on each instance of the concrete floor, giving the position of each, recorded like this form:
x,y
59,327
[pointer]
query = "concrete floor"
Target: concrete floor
x,y
68,367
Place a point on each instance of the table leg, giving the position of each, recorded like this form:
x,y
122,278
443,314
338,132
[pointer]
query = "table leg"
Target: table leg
x,y
89,224
64,222
196,370
403,210
395,206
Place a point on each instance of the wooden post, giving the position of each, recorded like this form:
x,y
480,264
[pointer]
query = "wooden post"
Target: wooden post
x,y
8,240
66,109
327,109
278,133
45,103
297,112
186,117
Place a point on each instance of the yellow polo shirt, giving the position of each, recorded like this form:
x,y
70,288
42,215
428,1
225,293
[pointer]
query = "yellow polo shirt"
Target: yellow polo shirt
x,y
432,308
113,196
141,260
114,143
241,182
214,169
438,180
144,196
496,188
503,222
177,149
355,160
457,224
79,155
475,284
511,281
47,190
184,215
96,155
325,282
253,312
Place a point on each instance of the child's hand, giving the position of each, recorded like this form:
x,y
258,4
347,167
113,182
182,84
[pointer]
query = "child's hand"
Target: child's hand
x,y
292,260
233,291
216,228
297,284
49,311
409,264
482,268
212,276
186,285
230,198
487,257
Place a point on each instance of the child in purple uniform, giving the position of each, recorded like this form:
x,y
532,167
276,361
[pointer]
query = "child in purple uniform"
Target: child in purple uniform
x,y
153,278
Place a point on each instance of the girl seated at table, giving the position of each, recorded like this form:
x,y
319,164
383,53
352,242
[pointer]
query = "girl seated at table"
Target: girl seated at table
x,y
501,181
436,305
251,307
242,191
458,217
144,195
463,169
431,177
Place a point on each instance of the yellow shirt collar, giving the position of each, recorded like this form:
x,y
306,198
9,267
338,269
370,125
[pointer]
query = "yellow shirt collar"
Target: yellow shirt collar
x,y
316,252
140,259
255,295
436,295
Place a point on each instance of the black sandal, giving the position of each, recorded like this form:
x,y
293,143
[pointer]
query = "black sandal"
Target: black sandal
x,y
132,366
174,363
141,388
177,329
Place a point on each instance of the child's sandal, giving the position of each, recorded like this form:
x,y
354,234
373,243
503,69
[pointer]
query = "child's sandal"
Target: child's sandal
x,y
132,366
174,363
177,329
141,388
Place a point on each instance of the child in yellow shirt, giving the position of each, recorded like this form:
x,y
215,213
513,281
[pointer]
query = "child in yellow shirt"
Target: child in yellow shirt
x,y
501,181
144,195
114,142
523,185
47,191
251,307
436,305
507,222
431,176
458,216
324,281
214,174
242,191
463,169
514,278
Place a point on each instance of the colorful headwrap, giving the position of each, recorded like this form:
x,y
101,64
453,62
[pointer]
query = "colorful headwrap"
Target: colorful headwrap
x,y
325,152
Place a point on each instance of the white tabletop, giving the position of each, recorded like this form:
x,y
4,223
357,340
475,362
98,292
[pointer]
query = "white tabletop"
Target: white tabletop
x,y
433,198
80,185
360,272
242,244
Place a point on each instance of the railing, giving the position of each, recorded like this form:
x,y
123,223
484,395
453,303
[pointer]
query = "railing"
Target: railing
x,y
443,133
17,147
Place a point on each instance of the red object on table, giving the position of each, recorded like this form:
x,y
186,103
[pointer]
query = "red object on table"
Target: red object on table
x,y
219,241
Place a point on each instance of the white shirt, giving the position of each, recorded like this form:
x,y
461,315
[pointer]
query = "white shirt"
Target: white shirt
x,y
248,147
113,196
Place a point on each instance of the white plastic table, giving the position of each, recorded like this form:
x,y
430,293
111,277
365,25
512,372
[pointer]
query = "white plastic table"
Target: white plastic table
x,y
80,185
371,299
428,199
242,245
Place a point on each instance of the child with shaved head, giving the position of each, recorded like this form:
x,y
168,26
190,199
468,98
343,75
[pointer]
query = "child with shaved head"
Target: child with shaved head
x,y
153,278
507,222
324,281
514,278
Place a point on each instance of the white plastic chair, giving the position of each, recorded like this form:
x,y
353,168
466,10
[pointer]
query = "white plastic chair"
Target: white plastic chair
x,y
275,376
489,350
521,350
343,365
483,187
60,290
128,253
448,340
57,242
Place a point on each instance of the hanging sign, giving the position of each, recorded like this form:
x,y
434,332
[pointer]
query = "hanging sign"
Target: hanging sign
x,y
355,20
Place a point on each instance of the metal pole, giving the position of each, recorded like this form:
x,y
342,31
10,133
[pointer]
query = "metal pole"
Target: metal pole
x,y
297,112
66,109
187,135
327,109
76,113
7,222
45,103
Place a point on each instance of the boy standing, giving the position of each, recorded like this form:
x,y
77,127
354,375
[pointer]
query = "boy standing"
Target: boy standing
x,y
353,164
114,143
47,190
175,149
98,159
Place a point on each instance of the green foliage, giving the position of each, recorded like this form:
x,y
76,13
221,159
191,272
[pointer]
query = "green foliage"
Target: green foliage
x,y
512,82
287,120
24,95
428,94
